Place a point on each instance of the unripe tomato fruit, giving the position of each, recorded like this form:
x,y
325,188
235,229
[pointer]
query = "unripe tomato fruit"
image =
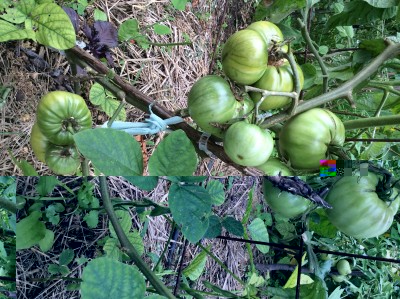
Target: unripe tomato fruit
x,y
39,143
357,209
277,78
274,166
284,203
210,101
269,32
62,160
245,57
305,138
338,278
343,267
60,115
247,144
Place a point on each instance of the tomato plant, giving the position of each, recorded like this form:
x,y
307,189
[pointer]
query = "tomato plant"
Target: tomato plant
x,y
274,166
277,78
61,114
284,203
211,102
39,143
358,209
63,160
305,139
247,144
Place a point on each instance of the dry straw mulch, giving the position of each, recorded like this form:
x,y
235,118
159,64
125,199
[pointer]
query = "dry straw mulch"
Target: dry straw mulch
x,y
164,73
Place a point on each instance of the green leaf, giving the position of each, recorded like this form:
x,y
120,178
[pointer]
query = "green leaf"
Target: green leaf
x,y
374,46
374,150
146,183
9,32
310,74
66,256
124,219
219,291
196,267
382,3
54,28
278,10
175,155
129,29
112,250
336,294
320,224
360,12
179,4
233,226
30,231
214,227
216,190
190,206
105,278
19,11
99,15
92,219
46,185
186,179
99,97
259,232
47,242
161,29
136,240
111,152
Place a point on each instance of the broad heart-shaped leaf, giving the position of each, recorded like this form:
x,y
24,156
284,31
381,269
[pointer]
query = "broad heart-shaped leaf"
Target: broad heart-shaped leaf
x,y
99,97
175,155
105,278
190,206
259,232
147,183
216,190
54,28
111,152
30,231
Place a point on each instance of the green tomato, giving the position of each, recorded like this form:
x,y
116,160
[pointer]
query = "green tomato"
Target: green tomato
x,y
277,78
60,115
247,144
39,143
274,166
211,102
305,138
338,278
343,267
245,57
284,203
357,210
244,107
269,32
63,160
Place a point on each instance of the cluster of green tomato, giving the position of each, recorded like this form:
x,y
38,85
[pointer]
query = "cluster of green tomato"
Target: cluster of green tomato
x,y
59,115
247,60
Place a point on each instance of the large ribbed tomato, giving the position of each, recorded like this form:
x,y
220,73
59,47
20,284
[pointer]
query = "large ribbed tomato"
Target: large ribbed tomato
x,y
276,78
359,209
305,138
247,144
60,115
210,103
284,203
62,159
274,166
39,143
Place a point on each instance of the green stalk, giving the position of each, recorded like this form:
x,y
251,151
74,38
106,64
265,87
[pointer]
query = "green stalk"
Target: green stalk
x,y
130,250
8,205
372,122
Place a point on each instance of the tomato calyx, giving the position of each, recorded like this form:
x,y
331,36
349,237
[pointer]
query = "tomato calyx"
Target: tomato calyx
x,y
70,125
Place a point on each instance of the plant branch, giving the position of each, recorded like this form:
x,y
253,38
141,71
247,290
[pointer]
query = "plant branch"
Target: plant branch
x,y
141,101
130,250
8,205
372,122
343,91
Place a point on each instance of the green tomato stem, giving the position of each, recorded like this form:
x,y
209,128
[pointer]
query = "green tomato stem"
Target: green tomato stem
x,y
8,205
372,122
130,250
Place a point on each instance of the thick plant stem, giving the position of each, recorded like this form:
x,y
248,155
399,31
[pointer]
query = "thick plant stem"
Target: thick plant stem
x,y
343,91
8,205
130,250
372,122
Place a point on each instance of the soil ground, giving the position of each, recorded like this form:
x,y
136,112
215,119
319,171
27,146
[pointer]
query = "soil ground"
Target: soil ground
x,y
166,74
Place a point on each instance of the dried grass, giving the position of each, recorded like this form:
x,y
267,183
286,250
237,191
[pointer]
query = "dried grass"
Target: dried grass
x,y
164,73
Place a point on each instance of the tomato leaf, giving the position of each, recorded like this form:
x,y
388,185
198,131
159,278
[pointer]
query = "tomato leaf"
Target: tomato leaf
x,y
259,232
112,152
105,278
190,206
320,224
175,155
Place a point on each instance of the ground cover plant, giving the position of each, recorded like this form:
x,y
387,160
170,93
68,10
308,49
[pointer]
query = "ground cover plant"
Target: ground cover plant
x,y
207,237
293,86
